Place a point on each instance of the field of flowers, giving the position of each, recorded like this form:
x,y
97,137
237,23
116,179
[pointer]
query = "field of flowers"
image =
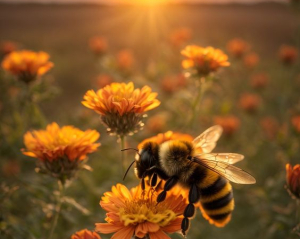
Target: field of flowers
x,y
80,83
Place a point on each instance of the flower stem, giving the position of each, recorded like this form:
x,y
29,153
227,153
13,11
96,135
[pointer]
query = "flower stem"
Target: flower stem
x,y
123,156
57,208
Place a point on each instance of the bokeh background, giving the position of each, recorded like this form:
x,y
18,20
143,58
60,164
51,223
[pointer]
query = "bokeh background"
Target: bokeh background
x,y
267,137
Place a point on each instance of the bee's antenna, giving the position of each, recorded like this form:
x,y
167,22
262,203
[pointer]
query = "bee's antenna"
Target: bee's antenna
x,y
137,151
128,169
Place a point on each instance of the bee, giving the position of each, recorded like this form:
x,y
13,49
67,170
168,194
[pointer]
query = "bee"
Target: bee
x,y
192,166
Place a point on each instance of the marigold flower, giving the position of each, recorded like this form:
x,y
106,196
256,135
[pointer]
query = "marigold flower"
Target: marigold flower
x,y
250,102
163,137
27,65
251,60
203,60
296,123
260,80
7,47
85,234
180,36
270,127
60,149
293,179
230,124
98,45
237,47
125,60
136,213
121,106
288,54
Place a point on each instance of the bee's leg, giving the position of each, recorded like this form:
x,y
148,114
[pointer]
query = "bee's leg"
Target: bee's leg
x,y
170,183
194,197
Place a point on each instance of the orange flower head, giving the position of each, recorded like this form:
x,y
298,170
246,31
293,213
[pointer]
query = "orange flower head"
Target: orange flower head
x,y
250,102
288,54
85,234
296,123
251,60
172,83
27,65
293,179
136,213
103,80
98,45
7,47
121,106
60,150
237,47
163,137
125,60
230,124
260,81
180,36
203,60
270,127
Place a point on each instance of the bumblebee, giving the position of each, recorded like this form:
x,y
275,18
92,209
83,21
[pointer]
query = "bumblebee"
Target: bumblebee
x,y
192,166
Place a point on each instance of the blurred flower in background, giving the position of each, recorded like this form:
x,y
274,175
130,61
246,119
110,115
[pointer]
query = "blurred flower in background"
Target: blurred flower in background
x,y
125,60
296,123
203,60
60,150
7,47
27,65
251,60
173,83
157,123
250,102
85,234
237,47
270,126
98,45
288,54
293,179
121,106
136,213
259,80
180,36
229,123
103,80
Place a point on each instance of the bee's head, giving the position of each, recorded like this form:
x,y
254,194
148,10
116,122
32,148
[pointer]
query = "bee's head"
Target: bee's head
x,y
174,155
146,158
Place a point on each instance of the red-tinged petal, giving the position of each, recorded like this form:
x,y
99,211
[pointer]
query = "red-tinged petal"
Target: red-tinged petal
x,y
174,226
158,235
107,228
124,233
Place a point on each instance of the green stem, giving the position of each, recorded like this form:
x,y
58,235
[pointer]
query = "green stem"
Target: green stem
x,y
57,208
123,156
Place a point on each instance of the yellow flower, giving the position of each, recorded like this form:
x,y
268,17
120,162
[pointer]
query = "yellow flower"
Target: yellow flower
x,y
237,47
27,65
136,212
121,106
60,149
293,179
204,60
85,234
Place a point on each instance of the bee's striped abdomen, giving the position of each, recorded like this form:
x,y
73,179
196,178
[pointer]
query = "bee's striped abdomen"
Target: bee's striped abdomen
x,y
216,202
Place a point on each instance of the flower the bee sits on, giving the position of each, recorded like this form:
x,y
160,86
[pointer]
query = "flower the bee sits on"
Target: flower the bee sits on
x,y
136,213
27,65
288,54
121,106
85,234
237,47
203,60
293,179
61,151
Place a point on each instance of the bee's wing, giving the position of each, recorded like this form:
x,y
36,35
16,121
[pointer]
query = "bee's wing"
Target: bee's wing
x,y
221,164
208,139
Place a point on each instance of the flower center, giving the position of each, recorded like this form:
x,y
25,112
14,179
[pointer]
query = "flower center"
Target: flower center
x,y
141,210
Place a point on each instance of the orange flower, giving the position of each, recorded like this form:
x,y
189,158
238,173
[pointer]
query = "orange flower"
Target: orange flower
x,y
270,127
237,47
230,124
180,36
250,102
251,60
27,65
103,80
259,81
293,179
288,54
296,123
173,83
204,60
121,106
136,213
125,60
7,47
60,149
98,45
85,234
169,135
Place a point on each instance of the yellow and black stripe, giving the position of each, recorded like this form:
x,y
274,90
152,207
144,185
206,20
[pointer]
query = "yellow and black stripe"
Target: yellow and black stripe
x,y
216,202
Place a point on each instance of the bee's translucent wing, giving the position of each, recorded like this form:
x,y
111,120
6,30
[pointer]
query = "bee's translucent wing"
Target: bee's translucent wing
x,y
208,139
219,163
